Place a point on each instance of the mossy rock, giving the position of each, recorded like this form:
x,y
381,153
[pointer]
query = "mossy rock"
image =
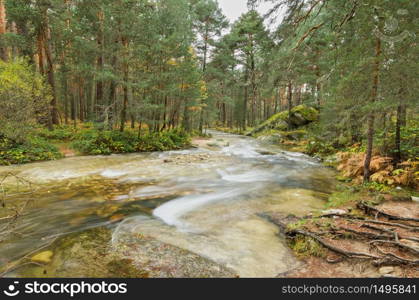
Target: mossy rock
x,y
310,114
300,115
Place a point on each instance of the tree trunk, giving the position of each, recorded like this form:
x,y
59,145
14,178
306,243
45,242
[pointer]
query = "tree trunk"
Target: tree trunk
x,y
100,62
3,22
44,47
126,79
289,104
371,117
204,69
399,124
246,96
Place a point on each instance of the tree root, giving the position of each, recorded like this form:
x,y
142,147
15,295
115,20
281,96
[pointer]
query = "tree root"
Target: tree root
x,y
398,244
322,242
393,259
391,232
367,235
387,236
376,212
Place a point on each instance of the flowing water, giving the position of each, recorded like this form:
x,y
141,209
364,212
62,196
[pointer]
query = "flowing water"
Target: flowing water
x,y
207,200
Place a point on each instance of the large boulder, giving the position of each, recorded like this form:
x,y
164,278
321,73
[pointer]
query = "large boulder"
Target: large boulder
x,y
300,115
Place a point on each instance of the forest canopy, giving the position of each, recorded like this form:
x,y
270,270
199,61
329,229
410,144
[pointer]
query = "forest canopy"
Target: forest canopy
x,y
153,66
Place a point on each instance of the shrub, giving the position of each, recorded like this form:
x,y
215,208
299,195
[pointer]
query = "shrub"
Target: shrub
x,y
34,149
95,142
24,99
60,133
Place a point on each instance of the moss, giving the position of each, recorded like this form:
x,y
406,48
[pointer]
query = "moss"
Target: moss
x,y
339,199
300,115
308,113
298,225
306,247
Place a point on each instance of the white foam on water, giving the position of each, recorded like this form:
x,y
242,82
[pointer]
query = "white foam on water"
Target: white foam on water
x,y
113,173
247,177
171,212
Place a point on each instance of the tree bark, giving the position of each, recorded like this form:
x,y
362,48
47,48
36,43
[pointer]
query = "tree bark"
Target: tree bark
x,y
371,117
204,69
100,61
3,23
126,79
289,104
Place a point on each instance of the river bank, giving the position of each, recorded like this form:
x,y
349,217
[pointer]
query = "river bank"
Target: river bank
x,y
359,232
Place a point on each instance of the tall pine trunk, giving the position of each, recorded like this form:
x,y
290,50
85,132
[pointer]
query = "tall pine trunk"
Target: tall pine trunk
x,y
290,95
400,122
3,22
100,62
126,79
371,116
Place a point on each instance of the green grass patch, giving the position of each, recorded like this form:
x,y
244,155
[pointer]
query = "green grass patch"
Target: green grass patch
x,y
341,198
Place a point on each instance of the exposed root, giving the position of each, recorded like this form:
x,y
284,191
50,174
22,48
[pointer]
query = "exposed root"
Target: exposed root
x,y
349,254
393,259
381,242
398,244
376,212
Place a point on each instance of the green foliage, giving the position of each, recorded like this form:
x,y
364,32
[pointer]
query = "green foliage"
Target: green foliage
x,y
59,133
376,187
93,142
34,149
23,99
409,136
320,148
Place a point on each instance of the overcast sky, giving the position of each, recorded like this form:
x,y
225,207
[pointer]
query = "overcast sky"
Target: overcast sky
x,y
233,9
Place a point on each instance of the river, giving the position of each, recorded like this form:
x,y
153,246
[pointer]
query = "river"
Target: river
x,y
209,200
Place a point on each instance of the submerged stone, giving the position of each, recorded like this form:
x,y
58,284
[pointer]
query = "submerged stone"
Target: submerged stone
x,y
43,257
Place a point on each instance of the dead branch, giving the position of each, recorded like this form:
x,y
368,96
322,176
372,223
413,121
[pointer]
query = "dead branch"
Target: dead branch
x,y
304,17
304,37
350,15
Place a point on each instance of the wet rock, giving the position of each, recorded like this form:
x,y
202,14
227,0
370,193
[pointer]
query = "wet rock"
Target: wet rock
x,y
266,153
415,199
338,212
43,257
116,218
